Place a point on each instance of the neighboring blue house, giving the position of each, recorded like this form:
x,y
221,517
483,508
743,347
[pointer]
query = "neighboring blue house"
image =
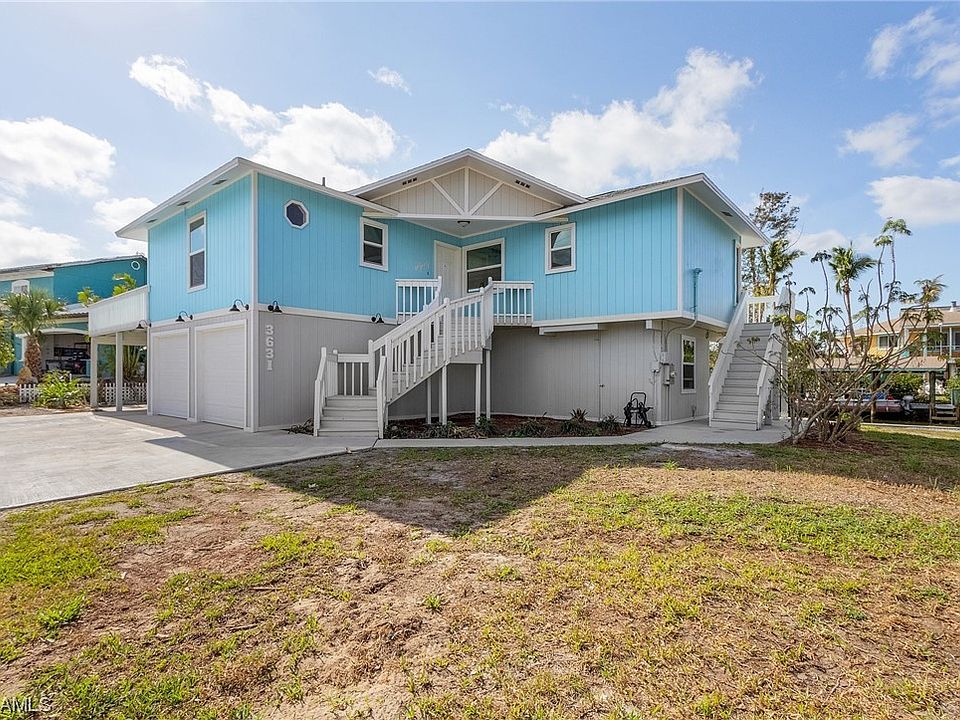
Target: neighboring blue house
x,y
66,345
486,286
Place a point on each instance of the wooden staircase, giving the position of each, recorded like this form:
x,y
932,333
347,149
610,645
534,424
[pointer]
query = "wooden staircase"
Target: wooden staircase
x,y
741,384
352,392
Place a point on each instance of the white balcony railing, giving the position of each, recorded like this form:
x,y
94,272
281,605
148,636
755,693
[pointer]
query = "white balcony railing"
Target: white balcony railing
x,y
119,313
413,296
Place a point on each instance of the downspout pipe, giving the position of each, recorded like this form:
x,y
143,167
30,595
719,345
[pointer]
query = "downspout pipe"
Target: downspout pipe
x,y
665,336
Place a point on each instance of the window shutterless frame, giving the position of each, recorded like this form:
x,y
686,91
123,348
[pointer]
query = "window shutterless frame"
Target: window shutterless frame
x,y
21,287
688,364
297,207
486,271
560,248
372,245
201,252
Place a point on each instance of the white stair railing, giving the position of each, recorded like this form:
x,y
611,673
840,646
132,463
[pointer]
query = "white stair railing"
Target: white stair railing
x,y
320,392
512,303
727,348
772,354
415,296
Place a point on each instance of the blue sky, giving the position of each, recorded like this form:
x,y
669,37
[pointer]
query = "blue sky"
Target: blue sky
x,y
854,108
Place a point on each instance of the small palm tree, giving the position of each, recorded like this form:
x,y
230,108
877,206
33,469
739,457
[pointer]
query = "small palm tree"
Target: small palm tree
x,y
776,260
891,230
126,283
848,265
30,314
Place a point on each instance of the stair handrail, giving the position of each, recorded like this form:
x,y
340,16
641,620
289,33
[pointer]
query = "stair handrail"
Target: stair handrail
x,y
381,399
771,356
403,328
320,392
727,349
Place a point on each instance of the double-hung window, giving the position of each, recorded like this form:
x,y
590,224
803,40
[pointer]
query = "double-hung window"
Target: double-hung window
x,y
885,342
561,250
197,259
20,287
373,245
484,262
688,371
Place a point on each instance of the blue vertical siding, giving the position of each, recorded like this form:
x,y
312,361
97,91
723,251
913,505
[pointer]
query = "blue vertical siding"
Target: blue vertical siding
x,y
228,255
709,244
626,260
71,279
318,266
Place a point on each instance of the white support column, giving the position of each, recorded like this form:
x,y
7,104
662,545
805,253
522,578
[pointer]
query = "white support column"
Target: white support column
x,y
443,395
429,385
118,373
487,353
93,373
476,405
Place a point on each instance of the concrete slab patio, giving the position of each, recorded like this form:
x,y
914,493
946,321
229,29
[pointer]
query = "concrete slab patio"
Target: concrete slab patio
x,y
53,457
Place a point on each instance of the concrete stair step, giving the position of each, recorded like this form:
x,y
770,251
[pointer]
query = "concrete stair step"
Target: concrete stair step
x,y
356,426
725,424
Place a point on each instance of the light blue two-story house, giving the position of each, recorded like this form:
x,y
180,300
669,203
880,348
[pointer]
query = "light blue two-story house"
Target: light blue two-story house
x,y
65,345
462,285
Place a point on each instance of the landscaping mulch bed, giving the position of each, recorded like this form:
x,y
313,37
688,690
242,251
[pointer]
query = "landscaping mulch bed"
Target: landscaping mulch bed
x,y
462,425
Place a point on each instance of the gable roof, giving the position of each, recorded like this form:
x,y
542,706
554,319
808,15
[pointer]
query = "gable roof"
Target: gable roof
x,y
468,158
223,175
698,185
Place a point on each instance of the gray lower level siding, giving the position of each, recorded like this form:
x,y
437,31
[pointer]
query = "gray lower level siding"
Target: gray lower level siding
x,y
531,374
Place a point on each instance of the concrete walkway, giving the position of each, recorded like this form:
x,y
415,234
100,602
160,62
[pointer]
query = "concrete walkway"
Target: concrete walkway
x,y
53,457
696,432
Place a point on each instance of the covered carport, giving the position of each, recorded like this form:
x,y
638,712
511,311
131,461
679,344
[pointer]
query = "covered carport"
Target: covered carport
x,y
119,321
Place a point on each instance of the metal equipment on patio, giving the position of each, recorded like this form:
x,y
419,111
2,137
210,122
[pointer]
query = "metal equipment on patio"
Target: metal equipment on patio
x,y
635,411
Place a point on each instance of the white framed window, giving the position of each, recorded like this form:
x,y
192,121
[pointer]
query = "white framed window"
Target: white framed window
x,y
197,252
20,287
688,364
885,342
561,248
296,214
482,262
374,244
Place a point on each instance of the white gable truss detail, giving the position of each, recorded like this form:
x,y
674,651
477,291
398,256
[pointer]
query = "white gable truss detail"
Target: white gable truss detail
x,y
466,192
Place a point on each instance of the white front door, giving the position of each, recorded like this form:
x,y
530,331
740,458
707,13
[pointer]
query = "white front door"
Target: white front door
x,y
449,262
222,374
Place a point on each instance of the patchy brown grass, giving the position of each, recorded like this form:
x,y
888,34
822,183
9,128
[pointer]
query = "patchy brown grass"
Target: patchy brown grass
x,y
549,583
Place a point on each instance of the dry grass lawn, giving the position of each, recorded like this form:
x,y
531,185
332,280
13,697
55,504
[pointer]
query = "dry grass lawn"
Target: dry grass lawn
x,y
606,583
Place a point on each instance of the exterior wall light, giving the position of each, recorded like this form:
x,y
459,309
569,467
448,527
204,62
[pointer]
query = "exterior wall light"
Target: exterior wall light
x,y
378,318
463,223
274,307
183,314
237,305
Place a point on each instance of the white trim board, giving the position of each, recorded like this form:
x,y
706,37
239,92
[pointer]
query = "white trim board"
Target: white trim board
x,y
327,314
662,315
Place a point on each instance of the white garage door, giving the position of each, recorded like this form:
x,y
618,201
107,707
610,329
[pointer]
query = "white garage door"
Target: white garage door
x,y
169,367
222,375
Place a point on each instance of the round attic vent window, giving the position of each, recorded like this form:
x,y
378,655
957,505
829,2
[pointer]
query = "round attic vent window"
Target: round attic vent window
x,y
296,214
135,264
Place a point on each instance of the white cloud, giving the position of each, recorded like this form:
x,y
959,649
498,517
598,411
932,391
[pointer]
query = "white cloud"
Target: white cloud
x,y
250,123
685,124
168,78
329,141
44,152
811,243
113,213
929,45
889,141
390,78
950,162
886,47
11,207
126,247
524,115
918,200
23,245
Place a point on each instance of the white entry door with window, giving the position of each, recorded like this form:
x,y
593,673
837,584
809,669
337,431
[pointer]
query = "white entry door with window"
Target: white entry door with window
x,y
449,263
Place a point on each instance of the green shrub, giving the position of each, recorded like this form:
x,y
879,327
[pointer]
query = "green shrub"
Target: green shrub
x,y
609,425
58,390
534,427
448,430
904,384
485,426
577,424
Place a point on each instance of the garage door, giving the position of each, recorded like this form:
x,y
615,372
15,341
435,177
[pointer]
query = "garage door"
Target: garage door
x,y
169,367
222,375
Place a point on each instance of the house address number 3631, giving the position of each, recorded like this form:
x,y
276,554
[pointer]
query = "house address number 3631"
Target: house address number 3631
x,y
268,343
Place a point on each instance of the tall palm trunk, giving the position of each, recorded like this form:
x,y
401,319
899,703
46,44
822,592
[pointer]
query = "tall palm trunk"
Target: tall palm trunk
x,y
846,304
33,357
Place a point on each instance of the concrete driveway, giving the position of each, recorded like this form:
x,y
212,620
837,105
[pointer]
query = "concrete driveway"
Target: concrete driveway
x,y
51,457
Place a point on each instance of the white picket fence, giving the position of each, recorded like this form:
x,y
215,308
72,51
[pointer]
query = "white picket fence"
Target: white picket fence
x,y
134,393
